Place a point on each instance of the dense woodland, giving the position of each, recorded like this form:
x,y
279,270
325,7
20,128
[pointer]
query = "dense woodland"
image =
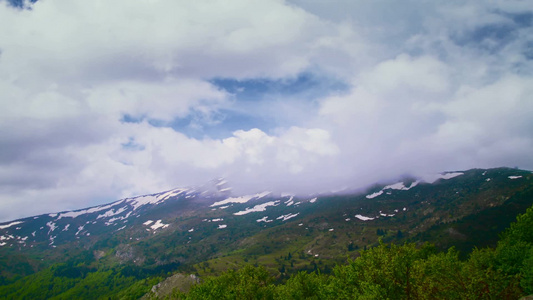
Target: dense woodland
x,y
390,271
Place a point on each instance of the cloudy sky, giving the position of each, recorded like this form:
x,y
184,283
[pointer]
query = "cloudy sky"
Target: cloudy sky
x,y
101,100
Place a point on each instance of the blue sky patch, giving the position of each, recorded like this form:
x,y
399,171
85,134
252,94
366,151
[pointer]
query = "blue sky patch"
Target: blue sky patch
x,y
261,88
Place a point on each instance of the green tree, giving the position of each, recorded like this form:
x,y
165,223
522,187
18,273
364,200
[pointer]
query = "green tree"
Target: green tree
x,y
302,286
380,272
247,283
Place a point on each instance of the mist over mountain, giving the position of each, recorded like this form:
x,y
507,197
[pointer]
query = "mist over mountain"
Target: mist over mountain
x,y
201,230
119,99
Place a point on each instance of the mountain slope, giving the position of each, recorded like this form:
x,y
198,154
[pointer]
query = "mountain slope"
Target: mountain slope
x,y
205,230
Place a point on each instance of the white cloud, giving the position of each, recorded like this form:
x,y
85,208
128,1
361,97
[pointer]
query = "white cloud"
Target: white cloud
x,y
432,87
163,101
108,41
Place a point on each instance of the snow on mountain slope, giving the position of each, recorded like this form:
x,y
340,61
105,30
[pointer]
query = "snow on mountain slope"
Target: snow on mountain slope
x,y
155,214
10,224
431,178
257,208
400,186
241,199
66,226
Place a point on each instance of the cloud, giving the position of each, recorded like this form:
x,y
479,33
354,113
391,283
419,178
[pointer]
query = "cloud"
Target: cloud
x,y
100,104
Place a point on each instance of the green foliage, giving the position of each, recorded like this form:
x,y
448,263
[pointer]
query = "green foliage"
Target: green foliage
x,y
384,271
521,230
514,253
65,281
247,283
526,281
391,271
303,286
438,277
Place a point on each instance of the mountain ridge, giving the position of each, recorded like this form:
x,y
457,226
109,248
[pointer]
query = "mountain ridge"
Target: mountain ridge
x,y
215,195
207,230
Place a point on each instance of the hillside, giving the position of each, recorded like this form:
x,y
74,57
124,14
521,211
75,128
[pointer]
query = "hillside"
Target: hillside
x,y
137,242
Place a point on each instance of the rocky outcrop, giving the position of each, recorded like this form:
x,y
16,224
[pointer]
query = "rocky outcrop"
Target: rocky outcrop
x,y
180,282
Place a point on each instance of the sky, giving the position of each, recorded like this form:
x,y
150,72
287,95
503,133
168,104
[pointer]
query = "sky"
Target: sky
x,y
101,100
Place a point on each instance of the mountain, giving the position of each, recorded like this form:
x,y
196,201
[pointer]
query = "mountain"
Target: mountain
x,y
56,229
206,230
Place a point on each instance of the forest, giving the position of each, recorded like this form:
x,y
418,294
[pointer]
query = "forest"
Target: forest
x,y
391,271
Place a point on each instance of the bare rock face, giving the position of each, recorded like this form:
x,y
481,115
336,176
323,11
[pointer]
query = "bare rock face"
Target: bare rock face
x,y
180,282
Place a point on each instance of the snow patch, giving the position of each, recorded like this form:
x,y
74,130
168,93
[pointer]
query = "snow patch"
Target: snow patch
x,y
112,220
158,225
6,237
264,219
52,226
401,186
385,215
143,200
137,202
169,194
445,176
289,202
257,208
514,177
241,199
287,216
313,200
222,226
397,186
10,224
374,195
191,230
216,220
76,213
363,218
451,175
112,212
79,229
148,222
